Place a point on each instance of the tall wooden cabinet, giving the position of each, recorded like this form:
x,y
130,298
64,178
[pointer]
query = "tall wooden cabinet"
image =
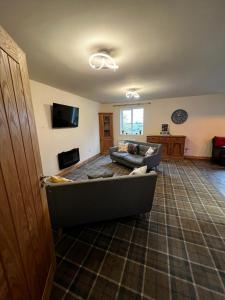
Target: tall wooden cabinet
x,y
172,145
27,259
105,132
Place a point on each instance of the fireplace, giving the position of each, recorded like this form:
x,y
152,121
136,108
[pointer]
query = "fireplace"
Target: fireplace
x,y
68,158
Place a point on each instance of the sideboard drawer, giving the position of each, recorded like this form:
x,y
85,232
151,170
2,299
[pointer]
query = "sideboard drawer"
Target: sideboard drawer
x,y
152,139
179,140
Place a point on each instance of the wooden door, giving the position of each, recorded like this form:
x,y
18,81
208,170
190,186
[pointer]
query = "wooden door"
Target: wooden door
x,y
26,249
177,145
166,147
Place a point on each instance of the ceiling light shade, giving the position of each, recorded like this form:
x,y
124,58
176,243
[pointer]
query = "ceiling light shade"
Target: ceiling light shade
x,y
100,61
132,94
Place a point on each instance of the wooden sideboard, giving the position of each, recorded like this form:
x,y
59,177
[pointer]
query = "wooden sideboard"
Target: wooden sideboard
x,y
172,145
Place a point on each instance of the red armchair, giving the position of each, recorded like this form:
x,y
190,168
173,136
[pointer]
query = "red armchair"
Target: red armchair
x,y
218,150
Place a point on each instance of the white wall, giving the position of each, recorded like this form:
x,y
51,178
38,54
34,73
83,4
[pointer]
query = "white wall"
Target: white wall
x,y
54,141
206,119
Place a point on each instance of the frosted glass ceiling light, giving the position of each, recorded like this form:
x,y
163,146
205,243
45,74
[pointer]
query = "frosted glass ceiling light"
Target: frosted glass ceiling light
x,y
100,61
132,94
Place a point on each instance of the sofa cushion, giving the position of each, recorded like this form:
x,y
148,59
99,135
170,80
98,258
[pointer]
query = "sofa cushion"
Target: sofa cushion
x,y
139,171
57,179
218,141
122,147
133,148
150,151
120,154
143,149
134,159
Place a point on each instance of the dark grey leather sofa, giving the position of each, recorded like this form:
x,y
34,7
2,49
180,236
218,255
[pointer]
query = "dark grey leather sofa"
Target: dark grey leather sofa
x,y
100,199
138,160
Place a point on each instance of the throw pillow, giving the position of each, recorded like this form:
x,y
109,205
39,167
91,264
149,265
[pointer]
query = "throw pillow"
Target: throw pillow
x,y
139,171
219,141
150,151
132,148
58,179
122,147
152,172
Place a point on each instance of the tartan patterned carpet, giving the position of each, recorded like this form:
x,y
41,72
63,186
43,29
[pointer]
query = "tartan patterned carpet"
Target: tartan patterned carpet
x,y
177,251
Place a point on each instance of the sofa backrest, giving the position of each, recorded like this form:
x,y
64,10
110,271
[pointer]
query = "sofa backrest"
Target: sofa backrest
x,y
100,199
154,145
218,141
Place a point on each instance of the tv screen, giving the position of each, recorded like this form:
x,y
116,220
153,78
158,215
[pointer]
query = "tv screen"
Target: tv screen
x,y
64,116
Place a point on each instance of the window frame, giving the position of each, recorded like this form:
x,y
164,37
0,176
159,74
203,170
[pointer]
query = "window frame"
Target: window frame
x,y
121,120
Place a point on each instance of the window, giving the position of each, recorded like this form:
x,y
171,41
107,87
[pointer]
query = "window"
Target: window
x,y
131,121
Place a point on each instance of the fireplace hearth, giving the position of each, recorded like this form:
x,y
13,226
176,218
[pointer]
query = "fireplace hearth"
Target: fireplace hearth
x,y
68,158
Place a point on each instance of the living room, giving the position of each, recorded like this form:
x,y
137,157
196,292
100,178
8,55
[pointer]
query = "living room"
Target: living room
x,y
202,110
112,149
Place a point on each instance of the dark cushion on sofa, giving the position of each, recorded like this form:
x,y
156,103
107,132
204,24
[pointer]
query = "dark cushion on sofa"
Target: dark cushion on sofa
x,y
143,149
135,159
133,148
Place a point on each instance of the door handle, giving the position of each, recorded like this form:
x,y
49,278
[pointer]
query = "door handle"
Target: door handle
x,y
42,180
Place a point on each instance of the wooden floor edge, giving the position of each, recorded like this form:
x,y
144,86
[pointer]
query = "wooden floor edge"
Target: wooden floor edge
x,y
49,281
65,171
197,157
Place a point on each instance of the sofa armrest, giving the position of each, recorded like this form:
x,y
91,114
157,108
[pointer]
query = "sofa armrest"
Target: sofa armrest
x,y
152,160
113,149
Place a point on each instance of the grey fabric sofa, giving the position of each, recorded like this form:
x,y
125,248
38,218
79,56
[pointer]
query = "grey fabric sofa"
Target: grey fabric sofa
x,y
137,160
94,200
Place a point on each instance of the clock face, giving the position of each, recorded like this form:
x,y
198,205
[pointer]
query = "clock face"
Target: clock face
x,y
179,116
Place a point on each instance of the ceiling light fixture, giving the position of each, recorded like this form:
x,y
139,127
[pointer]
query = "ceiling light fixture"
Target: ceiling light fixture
x,y
102,60
132,94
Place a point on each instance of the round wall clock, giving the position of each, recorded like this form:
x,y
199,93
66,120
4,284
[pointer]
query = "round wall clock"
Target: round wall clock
x,y
179,116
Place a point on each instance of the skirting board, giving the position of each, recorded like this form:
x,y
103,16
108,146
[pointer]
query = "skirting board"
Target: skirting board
x,y
65,171
197,157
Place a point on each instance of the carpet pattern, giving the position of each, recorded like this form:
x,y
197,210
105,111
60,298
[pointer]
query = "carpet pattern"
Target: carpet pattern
x,y
177,251
102,163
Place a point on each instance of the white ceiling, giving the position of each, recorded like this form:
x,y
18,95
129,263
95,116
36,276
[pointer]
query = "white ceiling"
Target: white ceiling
x,y
164,48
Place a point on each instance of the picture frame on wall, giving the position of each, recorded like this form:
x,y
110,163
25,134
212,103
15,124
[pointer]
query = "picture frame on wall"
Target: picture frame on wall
x,y
164,129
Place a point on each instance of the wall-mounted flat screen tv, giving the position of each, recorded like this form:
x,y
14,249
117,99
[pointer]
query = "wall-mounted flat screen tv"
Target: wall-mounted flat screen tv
x,y
64,116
